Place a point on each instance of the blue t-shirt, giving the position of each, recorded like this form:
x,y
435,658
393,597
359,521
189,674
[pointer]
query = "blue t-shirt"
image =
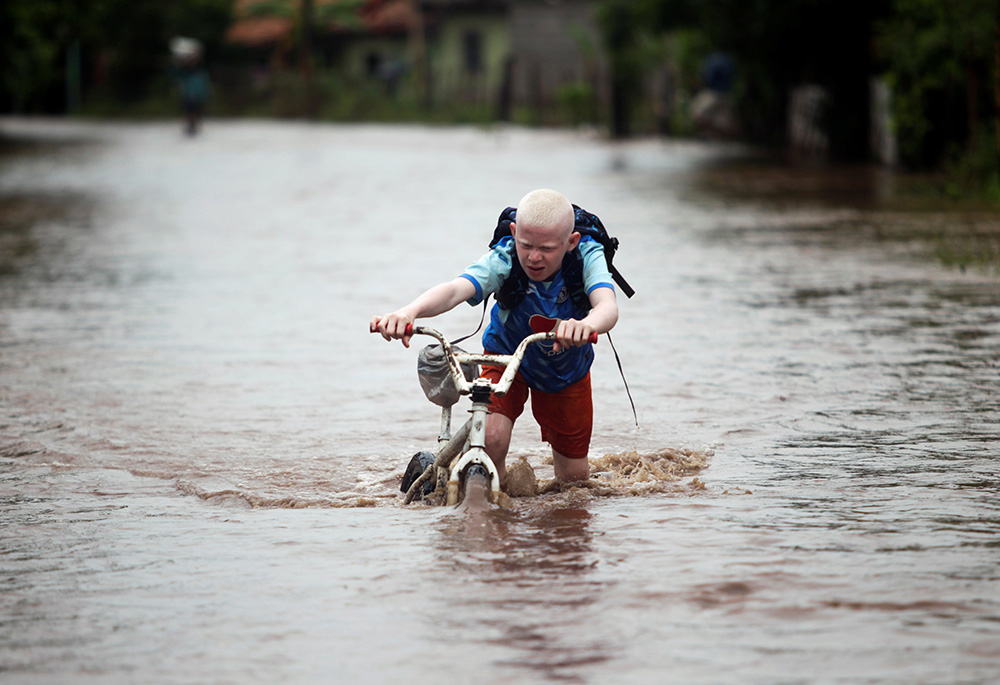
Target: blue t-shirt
x,y
543,306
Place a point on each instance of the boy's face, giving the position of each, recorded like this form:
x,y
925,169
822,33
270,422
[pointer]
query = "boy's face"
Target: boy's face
x,y
541,249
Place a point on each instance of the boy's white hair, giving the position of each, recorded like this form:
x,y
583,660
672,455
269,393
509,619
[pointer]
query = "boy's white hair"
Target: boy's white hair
x,y
544,207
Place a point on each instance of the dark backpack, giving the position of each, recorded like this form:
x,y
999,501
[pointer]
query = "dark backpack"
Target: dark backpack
x,y
515,286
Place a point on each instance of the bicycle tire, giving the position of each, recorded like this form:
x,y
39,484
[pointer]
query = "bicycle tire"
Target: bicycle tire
x,y
417,465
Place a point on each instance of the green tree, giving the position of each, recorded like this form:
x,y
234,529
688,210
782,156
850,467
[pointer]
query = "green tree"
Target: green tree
x,y
304,16
136,35
37,36
777,44
940,59
34,37
620,22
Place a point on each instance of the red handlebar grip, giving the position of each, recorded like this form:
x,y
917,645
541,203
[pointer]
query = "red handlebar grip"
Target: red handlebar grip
x,y
409,329
593,338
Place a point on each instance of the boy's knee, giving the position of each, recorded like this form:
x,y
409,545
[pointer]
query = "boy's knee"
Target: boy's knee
x,y
498,432
499,428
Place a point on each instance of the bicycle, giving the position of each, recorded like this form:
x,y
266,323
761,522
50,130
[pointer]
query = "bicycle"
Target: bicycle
x,y
462,457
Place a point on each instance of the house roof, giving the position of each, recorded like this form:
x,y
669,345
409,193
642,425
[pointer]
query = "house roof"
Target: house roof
x,y
257,31
377,16
390,16
465,4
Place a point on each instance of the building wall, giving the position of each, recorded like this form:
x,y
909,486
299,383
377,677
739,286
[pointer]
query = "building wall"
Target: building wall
x,y
547,49
462,71
530,50
360,53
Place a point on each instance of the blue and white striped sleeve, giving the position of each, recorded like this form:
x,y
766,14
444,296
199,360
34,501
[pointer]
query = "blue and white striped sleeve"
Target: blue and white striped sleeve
x,y
595,266
489,271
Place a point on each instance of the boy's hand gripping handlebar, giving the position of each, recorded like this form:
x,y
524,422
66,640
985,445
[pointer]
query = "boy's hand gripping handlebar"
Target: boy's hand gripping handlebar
x,y
409,331
469,442
455,359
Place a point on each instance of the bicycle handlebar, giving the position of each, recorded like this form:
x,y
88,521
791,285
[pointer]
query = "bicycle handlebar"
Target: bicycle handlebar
x,y
455,360
549,335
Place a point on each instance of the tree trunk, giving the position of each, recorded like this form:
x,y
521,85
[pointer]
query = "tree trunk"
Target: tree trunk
x,y
306,44
620,110
306,58
972,105
996,77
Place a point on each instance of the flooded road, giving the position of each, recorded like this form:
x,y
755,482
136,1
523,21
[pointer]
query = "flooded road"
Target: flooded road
x,y
201,444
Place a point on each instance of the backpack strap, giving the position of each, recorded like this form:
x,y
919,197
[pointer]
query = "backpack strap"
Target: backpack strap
x,y
572,272
590,225
507,217
516,284
514,287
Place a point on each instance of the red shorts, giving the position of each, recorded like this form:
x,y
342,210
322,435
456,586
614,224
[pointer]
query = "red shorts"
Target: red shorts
x,y
565,417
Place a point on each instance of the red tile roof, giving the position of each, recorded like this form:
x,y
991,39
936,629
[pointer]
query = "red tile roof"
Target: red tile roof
x,y
377,16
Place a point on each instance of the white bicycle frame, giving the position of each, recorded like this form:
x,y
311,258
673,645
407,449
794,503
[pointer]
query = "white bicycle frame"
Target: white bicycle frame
x,y
468,445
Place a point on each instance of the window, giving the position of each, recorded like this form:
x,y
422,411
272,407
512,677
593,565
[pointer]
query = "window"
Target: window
x,y
472,49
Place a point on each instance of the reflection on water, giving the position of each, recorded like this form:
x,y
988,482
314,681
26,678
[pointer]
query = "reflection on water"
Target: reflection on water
x,y
492,541
201,445
519,586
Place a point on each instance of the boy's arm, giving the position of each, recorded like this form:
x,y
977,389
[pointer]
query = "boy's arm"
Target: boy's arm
x,y
438,300
602,318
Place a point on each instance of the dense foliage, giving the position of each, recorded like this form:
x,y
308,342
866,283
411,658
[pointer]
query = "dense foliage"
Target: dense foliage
x,y
940,59
118,46
938,56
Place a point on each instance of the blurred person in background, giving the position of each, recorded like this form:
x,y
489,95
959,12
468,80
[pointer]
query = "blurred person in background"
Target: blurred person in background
x,y
712,108
192,81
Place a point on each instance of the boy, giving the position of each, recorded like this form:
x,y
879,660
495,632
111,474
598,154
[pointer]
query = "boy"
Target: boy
x,y
557,375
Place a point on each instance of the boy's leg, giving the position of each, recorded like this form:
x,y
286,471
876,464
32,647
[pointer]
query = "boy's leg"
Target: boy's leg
x,y
498,430
503,413
567,420
569,470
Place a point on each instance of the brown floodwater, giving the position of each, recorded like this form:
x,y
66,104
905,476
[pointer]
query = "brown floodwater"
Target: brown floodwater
x,y
201,444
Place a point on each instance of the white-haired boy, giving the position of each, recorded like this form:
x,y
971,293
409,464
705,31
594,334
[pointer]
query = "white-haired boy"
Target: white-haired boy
x,y
557,375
